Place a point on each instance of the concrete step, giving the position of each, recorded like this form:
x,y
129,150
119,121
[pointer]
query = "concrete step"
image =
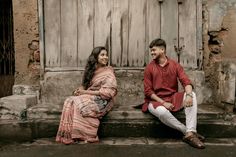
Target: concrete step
x,y
122,121
116,147
130,141
121,112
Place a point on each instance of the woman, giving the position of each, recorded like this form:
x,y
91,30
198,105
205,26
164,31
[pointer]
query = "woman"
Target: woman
x,y
81,112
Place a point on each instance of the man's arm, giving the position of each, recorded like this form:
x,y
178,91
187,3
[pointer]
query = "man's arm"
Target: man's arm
x,y
186,83
147,82
183,78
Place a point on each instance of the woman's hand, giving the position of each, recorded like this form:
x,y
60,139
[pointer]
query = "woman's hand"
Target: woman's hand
x,y
79,91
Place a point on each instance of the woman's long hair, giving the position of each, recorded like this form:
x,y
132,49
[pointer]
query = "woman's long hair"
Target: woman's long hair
x,y
91,66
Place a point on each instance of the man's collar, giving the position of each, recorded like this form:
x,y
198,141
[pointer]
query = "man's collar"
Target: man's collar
x,y
166,62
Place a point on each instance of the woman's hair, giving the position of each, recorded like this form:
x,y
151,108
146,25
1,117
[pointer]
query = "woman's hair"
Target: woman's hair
x,y
91,66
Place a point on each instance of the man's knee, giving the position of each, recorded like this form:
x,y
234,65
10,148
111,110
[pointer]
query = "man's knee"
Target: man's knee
x,y
160,111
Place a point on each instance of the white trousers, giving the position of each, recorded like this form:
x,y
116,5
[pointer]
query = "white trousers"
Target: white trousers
x,y
168,119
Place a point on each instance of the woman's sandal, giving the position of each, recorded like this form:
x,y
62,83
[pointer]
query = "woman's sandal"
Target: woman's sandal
x,y
194,141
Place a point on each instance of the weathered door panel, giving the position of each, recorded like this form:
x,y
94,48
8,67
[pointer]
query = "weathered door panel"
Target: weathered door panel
x,y
153,24
85,29
169,26
153,20
69,33
102,25
119,34
137,13
52,12
187,33
125,27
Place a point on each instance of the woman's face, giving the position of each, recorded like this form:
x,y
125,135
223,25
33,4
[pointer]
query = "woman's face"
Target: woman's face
x,y
103,58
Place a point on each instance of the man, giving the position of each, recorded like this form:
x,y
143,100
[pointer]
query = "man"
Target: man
x,y
162,97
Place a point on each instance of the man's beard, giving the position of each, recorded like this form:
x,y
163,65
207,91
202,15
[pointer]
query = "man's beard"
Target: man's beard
x,y
157,58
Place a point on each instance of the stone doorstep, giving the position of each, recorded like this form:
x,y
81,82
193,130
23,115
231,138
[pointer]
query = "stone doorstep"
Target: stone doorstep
x,y
12,107
48,111
43,121
21,131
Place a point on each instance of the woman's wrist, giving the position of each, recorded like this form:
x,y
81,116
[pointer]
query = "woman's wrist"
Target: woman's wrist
x,y
91,92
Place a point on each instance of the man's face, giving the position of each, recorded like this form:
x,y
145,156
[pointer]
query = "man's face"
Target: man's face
x,y
157,52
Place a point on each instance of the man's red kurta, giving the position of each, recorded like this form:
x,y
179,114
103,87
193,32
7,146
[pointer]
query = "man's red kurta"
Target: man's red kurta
x,y
163,81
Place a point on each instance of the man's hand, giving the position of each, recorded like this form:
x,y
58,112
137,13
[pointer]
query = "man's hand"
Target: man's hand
x,y
168,106
188,101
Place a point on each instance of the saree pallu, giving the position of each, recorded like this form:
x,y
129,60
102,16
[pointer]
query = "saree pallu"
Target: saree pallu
x,y
81,115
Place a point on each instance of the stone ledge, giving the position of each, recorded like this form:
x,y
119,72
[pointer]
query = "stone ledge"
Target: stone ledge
x,y
19,131
15,106
25,90
121,112
122,121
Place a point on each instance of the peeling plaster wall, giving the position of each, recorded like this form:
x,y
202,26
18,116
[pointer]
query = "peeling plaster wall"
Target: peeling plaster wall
x,y
229,22
219,37
26,37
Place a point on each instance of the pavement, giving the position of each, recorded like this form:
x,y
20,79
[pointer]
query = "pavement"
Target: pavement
x,y
120,147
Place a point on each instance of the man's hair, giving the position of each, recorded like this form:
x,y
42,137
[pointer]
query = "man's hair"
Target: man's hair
x,y
157,42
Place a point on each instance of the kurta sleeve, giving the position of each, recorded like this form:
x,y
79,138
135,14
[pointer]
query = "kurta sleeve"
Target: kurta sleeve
x,y
109,86
148,86
183,78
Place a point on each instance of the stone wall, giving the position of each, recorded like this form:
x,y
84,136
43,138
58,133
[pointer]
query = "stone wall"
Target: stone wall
x,y
26,37
59,85
219,36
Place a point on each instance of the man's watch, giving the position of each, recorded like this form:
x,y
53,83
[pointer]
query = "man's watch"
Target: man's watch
x,y
189,94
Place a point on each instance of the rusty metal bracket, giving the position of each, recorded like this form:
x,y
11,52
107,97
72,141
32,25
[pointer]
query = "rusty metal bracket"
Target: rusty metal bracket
x,y
179,47
180,1
161,1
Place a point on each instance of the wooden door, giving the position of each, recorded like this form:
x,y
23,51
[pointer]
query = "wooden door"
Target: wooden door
x,y
126,27
7,61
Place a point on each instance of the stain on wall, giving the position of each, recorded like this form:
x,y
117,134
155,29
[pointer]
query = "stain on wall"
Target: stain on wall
x,y
25,16
219,36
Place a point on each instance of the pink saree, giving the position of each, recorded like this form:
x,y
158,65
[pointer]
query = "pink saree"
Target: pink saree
x,y
81,114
